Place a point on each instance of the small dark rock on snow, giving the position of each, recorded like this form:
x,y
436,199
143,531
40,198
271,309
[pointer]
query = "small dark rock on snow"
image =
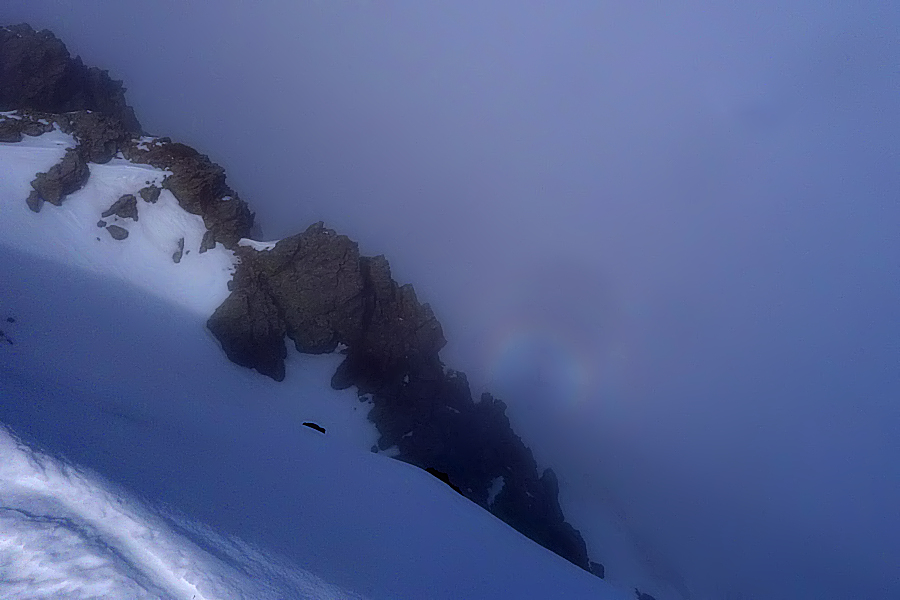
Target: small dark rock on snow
x,y
180,252
315,426
150,194
117,233
124,208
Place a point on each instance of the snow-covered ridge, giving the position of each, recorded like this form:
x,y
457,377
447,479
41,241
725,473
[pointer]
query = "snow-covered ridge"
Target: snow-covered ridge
x,y
70,232
155,206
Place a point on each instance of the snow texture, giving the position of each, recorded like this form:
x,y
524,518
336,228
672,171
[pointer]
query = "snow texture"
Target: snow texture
x,y
140,463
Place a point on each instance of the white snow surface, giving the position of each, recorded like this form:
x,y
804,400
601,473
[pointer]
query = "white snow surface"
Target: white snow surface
x,y
70,233
259,246
139,463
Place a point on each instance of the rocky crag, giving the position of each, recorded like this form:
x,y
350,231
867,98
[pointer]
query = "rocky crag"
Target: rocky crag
x,y
37,72
314,289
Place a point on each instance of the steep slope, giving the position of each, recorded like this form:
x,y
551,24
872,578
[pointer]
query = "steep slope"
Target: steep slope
x,y
218,490
160,201
314,288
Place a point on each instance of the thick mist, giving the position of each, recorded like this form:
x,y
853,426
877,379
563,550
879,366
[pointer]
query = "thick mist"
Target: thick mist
x,y
666,236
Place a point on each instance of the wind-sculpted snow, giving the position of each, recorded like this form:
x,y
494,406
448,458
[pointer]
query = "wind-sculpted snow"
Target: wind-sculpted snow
x,y
66,534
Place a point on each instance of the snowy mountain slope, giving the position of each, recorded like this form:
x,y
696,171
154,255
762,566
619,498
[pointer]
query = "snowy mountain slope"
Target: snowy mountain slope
x,y
111,367
198,282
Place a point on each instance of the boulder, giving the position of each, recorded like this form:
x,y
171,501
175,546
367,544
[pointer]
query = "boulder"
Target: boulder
x,y
250,326
116,232
67,176
124,208
199,186
150,194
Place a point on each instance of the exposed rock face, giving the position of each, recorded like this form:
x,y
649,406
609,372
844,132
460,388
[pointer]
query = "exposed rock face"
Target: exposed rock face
x,y
179,253
315,278
249,325
316,289
38,73
99,136
124,208
12,130
199,185
150,194
67,176
48,87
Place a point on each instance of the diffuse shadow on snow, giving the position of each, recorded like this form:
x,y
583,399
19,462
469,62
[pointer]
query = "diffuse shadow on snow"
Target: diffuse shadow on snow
x,y
138,391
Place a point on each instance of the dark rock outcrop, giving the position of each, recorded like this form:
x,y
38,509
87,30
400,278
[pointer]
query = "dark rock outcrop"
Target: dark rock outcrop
x,y
308,287
150,194
317,290
641,596
124,208
65,177
117,233
313,288
597,569
46,85
38,73
12,129
98,136
197,183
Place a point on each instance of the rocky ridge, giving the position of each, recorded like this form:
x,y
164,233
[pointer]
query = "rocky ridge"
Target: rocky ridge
x,y
38,72
314,289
